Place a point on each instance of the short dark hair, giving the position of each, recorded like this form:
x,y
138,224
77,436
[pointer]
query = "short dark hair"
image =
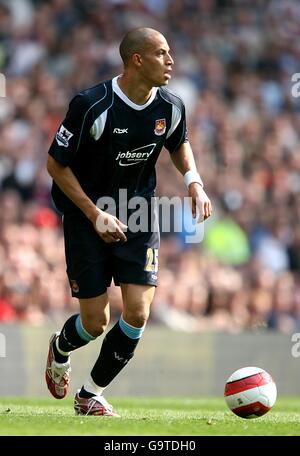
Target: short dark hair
x,y
135,41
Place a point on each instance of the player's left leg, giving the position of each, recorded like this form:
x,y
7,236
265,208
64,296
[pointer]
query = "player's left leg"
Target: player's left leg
x,y
120,342
117,349
135,269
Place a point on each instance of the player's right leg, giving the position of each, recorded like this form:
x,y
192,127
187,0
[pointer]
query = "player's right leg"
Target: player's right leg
x,y
89,274
77,331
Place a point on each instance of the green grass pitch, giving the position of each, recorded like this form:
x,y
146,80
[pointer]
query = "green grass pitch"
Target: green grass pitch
x,y
146,416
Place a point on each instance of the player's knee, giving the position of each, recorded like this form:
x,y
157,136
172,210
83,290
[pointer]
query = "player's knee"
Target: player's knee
x,y
96,327
137,318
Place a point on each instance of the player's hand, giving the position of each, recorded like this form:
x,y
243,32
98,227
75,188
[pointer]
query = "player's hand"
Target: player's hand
x,y
201,201
109,228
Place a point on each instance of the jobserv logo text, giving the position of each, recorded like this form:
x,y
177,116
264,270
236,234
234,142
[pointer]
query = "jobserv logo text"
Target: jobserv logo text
x,y
2,345
2,85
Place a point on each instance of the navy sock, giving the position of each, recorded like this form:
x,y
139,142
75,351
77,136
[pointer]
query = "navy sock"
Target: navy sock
x,y
85,394
59,358
70,339
117,349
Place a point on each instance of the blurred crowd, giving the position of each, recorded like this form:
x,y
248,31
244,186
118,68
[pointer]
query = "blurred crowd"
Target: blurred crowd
x,y
234,62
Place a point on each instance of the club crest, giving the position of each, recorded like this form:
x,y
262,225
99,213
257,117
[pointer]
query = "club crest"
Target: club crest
x,y
74,286
160,127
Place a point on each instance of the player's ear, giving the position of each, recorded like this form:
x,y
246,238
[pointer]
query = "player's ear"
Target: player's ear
x,y
137,59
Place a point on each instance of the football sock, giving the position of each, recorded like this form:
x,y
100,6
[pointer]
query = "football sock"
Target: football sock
x,y
117,349
90,389
72,336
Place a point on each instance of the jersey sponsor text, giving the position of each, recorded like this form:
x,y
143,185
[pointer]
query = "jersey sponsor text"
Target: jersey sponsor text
x,y
135,156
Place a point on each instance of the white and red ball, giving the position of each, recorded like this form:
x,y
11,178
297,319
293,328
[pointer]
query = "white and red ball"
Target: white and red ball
x,y
250,392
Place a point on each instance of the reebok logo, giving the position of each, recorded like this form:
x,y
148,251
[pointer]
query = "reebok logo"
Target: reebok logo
x,y
120,131
135,156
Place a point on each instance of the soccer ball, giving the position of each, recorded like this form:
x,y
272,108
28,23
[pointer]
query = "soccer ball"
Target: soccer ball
x,y
250,392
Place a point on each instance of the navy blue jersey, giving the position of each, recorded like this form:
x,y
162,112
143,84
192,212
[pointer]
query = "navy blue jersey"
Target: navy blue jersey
x,y
111,143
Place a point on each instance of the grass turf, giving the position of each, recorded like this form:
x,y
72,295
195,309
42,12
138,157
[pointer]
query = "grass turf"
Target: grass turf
x,y
145,416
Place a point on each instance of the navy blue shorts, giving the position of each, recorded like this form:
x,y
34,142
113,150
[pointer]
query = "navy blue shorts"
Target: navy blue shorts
x,y
92,263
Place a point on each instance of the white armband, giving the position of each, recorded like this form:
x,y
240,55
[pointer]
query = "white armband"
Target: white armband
x,y
192,176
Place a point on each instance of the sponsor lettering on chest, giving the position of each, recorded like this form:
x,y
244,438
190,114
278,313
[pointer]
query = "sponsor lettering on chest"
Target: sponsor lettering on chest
x,y
135,156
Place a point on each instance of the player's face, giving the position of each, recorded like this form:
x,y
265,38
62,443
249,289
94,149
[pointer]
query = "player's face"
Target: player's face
x,y
157,62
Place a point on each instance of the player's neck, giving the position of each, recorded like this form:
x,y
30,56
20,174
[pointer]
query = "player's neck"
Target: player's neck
x,y
135,90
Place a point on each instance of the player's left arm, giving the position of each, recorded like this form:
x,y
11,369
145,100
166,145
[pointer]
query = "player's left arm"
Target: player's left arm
x,y
184,161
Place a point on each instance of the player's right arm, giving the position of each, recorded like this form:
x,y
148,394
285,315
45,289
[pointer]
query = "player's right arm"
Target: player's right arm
x,y
108,226
61,153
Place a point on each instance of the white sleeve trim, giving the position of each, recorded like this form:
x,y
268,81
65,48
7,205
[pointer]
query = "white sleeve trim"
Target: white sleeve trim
x,y
98,126
176,117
